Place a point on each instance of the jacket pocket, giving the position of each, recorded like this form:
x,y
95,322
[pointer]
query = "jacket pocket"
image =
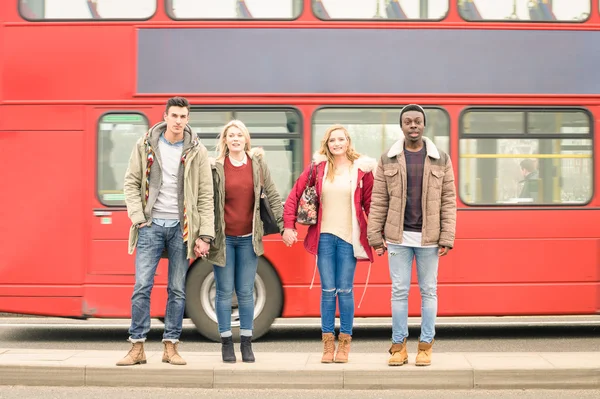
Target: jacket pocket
x,y
436,178
392,179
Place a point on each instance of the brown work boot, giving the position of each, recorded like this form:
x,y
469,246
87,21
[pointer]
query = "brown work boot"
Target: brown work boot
x,y
343,348
328,348
424,355
136,355
170,355
399,355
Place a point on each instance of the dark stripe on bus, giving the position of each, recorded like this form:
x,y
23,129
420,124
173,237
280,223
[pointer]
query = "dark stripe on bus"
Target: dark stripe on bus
x,y
387,61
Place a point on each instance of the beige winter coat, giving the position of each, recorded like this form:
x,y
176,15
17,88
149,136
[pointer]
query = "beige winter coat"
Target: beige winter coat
x,y
197,187
388,200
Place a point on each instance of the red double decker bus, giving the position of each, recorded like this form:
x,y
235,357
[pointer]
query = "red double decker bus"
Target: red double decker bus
x,y
510,87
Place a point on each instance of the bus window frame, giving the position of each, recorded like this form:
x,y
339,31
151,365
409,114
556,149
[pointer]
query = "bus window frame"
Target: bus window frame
x,y
540,136
383,20
91,20
169,14
526,21
387,106
299,135
96,170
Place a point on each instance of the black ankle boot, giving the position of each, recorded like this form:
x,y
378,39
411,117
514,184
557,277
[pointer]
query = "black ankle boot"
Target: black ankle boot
x,y
246,349
227,350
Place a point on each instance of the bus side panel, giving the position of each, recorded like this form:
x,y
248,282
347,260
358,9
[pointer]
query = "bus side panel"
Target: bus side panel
x,y
460,300
42,202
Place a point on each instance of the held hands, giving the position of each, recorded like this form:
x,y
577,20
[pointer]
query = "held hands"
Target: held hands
x,y
201,248
381,250
289,236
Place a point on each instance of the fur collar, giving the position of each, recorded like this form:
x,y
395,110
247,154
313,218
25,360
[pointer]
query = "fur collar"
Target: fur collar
x,y
364,163
398,147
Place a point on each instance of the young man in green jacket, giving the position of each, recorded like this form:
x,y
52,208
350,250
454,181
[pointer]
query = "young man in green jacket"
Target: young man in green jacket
x,y
169,196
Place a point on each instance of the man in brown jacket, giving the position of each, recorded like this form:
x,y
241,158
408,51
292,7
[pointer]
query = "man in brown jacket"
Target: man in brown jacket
x,y
413,215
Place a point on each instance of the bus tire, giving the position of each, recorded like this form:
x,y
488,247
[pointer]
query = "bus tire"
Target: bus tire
x,y
201,293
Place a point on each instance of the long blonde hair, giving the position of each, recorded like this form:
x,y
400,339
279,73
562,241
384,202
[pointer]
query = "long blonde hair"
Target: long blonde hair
x,y
222,149
351,153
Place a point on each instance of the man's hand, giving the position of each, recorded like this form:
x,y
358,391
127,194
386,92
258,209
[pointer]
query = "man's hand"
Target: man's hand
x,y
141,225
443,251
381,250
201,248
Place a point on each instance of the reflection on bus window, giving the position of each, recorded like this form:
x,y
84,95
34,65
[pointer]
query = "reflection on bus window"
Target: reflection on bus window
x,y
380,9
525,10
234,9
549,163
276,131
374,130
117,134
86,9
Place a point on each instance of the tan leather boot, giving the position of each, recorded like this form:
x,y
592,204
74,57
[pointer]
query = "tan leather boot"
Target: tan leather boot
x,y
399,354
136,355
424,355
170,355
343,348
328,348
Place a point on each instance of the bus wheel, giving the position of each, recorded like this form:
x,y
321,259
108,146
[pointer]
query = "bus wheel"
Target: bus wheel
x,y
201,296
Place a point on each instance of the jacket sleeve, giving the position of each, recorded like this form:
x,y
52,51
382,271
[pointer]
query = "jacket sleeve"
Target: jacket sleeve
x,y
291,204
272,195
206,207
379,208
132,187
448,208
367,192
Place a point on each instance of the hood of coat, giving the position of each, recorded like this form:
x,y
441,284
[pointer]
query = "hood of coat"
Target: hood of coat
x,y
398,147
364,163
190,140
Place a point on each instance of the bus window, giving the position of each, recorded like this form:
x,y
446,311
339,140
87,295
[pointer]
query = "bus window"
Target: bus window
x,y
544,157
117,135
374,130
381,9
234,9
277,131
38,10
525,10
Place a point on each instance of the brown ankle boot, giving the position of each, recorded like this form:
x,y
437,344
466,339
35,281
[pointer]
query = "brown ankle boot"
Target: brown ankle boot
x,y
424,355
399,354
170,355
328,348
343,348
136,355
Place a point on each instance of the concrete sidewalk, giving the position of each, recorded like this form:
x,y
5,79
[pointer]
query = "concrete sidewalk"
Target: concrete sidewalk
x,y
303,370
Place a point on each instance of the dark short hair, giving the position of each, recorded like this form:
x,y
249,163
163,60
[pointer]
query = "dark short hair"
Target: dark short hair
x,y
177,102
413,107
528,165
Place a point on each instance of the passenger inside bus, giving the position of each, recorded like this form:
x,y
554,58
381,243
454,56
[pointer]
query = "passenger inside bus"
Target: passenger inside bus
x,y
541,10
530,180
319,10
469,10
394,10
242,9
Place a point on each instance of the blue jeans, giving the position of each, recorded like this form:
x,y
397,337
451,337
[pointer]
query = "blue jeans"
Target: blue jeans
x,y
400,260
239,273
152,241
336,264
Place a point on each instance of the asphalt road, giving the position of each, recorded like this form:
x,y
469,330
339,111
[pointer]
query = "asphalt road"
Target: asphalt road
x,y
300,335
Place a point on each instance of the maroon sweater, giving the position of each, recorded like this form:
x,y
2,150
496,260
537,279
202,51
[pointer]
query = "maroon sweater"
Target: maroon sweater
x,y
239,198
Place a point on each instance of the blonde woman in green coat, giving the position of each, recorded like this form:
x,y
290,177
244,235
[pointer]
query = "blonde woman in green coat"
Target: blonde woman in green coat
x,y
238,231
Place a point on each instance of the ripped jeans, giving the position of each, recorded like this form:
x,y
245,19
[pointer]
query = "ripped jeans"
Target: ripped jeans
x,y
401,259
336,263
